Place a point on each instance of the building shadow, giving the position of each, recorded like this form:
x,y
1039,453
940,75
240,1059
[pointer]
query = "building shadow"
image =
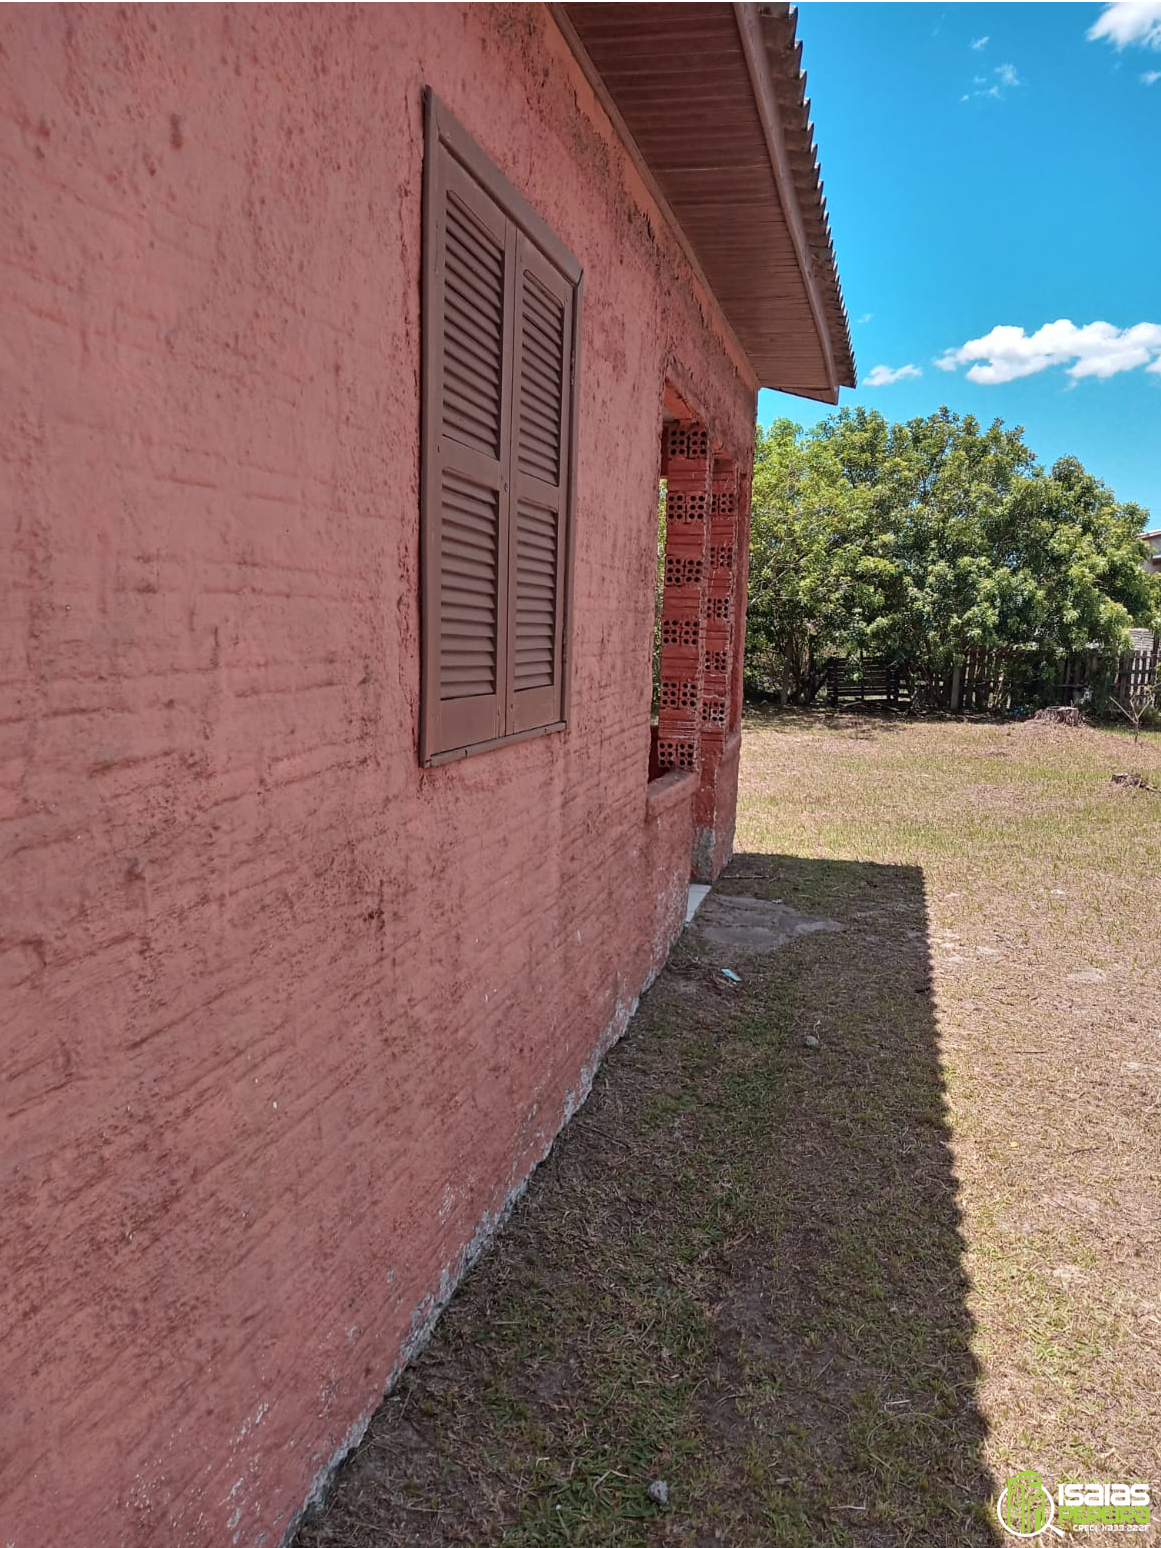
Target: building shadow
x,y
848,720
860,1313
740,1271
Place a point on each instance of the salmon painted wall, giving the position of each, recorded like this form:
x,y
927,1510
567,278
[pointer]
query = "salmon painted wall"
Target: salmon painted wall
x,y
287,1019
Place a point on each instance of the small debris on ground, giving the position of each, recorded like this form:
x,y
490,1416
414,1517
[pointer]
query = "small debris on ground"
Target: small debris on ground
x,y
695,973
686,967
658,1492
1132,782
810,1041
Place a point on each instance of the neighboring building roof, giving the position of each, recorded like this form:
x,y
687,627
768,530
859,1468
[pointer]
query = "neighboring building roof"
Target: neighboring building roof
x,y
711,99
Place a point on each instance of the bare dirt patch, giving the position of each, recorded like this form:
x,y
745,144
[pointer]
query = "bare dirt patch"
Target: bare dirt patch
x,y
745,924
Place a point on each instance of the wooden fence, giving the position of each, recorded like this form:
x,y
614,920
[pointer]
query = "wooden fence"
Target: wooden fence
x,y
1002,681
998,681
867,681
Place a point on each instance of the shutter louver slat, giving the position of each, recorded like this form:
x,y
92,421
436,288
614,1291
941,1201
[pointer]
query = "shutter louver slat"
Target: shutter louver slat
x,y
471,566
541,381
473,332
469,573
476,269
541,329
536,551
464,362
471,338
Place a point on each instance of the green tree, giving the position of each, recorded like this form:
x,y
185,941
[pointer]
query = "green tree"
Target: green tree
x,y
915,541
803,552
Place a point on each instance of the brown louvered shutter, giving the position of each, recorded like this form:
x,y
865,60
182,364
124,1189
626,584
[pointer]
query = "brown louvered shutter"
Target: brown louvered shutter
x,y
500,304
540,419
469,322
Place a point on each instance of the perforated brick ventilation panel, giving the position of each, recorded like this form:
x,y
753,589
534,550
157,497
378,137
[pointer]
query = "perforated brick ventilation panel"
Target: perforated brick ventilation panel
x,y
684,506
688,441
680,631
689,466
682,571
677,752
678,695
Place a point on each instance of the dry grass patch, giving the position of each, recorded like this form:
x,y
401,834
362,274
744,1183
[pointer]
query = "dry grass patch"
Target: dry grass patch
x,y
1043,884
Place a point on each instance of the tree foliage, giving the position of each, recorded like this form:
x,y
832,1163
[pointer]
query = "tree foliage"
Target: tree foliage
x,y
914,541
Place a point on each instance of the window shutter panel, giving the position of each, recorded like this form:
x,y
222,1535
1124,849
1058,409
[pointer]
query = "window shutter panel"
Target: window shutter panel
x,y
469,268
541,417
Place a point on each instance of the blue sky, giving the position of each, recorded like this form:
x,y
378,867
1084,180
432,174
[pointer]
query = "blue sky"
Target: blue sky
x,y
994,166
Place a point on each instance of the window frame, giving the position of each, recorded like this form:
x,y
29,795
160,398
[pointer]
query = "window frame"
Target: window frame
x,y
444,135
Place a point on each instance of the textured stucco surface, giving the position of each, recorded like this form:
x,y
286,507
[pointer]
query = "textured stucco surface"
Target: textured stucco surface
x,y
287,1019
713,836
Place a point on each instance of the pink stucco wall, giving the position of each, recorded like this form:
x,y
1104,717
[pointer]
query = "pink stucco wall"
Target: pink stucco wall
x,y
286,1018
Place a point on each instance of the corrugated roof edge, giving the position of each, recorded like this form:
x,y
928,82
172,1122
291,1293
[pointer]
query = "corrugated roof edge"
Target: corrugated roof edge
x,y
784,62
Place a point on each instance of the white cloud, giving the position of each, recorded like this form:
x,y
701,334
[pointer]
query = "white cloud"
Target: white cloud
x,y
1097,349
865,318
1151,77
980,42
883,376
1002,76
1128,22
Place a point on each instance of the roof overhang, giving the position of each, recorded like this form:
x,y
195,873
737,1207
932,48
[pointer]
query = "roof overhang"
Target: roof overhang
x,y
711,102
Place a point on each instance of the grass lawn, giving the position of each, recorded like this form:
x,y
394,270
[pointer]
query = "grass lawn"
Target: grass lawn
x,y
836,1251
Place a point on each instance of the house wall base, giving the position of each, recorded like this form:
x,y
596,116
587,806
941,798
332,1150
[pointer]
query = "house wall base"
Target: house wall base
x,y
713,841
668,830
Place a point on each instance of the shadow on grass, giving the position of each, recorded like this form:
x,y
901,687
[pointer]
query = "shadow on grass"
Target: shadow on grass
x,y
739,1271
850,720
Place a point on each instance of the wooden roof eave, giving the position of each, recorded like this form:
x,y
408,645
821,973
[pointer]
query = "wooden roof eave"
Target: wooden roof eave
x,y
792,331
